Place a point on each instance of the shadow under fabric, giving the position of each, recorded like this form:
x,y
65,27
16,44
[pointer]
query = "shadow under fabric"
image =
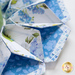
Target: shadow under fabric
x,y
18,65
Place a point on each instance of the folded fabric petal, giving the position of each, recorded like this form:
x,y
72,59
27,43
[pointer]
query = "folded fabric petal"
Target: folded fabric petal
x,y
45,44
18,65
15,5
4,4
39,13
11,64
58,7
4,55
33,34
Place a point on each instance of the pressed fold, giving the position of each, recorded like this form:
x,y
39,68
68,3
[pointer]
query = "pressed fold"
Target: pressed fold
x,y
4,55
20,40
34,33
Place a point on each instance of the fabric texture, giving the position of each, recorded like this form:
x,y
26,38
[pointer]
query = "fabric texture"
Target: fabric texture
x,y
34,34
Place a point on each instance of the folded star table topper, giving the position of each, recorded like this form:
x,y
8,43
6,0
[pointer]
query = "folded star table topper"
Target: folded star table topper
x,y
34,33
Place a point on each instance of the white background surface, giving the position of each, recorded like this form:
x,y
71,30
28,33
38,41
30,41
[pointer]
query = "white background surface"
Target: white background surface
x,y
68,52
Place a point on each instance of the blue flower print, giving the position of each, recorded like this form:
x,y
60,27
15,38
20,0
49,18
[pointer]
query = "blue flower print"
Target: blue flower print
x,y
40,11
24,17
21,13
50,45
35,47
30,8
54,6
10,12
25,71
20,66
36,10
27,1
31,69
19,69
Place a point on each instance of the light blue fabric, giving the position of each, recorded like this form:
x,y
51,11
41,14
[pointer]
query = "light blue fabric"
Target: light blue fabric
x,y
54,6
18,65
50,37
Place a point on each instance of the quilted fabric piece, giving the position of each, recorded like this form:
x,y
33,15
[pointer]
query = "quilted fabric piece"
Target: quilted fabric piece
x,y
34,34
4,4
36,41
4,55
15,5
50,41
25,67
18,65
58,7
32,13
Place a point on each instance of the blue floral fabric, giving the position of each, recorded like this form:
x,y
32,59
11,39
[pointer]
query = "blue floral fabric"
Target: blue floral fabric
x,y
52,38
57,6
35,49
26,1
36,10
54,6
18,65
24,17
4,4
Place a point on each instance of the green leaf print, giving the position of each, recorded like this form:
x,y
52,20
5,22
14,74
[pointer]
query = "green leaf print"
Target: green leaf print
x,y
27,28
16,51
14,2
6,36
32,19
22,54
35,35
26,40
44,6
31,39
26,11
37,6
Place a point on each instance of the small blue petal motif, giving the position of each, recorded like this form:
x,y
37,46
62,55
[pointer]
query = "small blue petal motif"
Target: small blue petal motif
x,y
20,66
10,12
19,69
36,10
27,1
24,17
25,71
21,13
58,9
50,45
50,37
35,47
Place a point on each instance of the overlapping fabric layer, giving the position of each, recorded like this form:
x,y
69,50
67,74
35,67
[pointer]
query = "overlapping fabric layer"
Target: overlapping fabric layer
x,y
34,34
